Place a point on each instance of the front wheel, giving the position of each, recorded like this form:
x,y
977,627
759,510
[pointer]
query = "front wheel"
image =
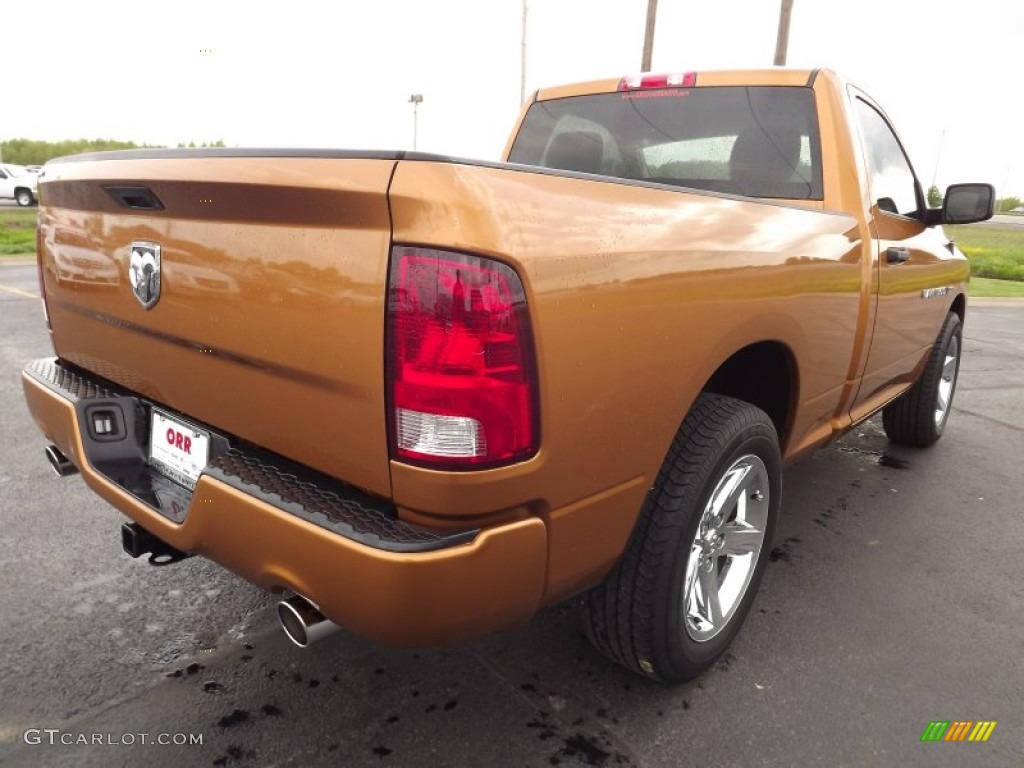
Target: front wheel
x,y
691,569
918,417
24,197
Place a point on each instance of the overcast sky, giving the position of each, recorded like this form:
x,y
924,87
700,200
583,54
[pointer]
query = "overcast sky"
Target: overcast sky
x,y
314,73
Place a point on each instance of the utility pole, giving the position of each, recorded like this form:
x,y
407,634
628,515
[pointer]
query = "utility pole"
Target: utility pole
x,y
782,42
652,11
415,99
522,61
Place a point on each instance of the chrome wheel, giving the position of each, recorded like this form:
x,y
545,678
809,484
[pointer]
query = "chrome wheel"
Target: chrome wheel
x,y
948,381
24,198
725,549
689,575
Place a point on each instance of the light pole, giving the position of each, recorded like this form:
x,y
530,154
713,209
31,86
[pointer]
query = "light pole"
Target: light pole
x,y
415,99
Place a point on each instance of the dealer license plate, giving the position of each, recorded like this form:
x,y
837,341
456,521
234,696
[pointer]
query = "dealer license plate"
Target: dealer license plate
x,y
177,449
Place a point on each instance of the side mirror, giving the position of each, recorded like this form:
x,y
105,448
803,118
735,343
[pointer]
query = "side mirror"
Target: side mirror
x,y
968,203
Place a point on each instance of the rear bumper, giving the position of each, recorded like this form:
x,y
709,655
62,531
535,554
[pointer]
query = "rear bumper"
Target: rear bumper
x,y
281,527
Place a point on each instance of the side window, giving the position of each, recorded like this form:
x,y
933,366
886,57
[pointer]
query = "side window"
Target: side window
x,y
2,174
893,186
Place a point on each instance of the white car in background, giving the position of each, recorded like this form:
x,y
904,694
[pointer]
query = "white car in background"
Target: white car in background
x,y
18,183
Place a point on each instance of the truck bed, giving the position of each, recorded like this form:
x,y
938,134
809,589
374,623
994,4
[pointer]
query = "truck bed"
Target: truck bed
x,y
270,325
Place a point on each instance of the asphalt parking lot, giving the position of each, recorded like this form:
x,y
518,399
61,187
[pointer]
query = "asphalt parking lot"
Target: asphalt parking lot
x,y
894,598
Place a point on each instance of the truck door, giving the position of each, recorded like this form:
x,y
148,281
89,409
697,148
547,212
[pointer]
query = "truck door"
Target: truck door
x,y
910,259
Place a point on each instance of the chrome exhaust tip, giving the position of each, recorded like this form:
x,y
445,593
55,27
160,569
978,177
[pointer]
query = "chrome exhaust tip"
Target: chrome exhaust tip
x,y
61,464
302,621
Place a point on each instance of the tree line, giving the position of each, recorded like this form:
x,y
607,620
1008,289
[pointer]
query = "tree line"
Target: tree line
x,y
33,152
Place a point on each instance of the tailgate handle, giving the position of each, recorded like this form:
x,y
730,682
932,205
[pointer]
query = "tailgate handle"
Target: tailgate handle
x,y
138,198
896,255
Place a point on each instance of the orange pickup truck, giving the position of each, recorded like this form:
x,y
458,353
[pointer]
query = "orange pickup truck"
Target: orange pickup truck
x,y
429,396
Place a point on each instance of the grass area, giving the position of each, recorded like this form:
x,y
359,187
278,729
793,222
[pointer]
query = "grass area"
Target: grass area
x,y
987,287
995,252
17,233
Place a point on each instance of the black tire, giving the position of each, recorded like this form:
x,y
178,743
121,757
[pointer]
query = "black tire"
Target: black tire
x,y
24,197
637,616
919,416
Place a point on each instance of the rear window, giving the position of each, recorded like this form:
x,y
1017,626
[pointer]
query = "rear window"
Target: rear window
x,y
759,141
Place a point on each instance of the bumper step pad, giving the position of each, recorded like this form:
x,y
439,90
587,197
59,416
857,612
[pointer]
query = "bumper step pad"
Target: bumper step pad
x,y
290,487
327,503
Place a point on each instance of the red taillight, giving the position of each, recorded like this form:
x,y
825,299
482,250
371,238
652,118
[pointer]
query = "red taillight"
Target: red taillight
x,y
674,80
460,362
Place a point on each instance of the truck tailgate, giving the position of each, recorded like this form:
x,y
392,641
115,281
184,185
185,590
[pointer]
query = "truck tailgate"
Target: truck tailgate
x,y
270,319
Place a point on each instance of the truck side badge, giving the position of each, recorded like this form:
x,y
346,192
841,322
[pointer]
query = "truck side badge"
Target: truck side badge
x,y
144,272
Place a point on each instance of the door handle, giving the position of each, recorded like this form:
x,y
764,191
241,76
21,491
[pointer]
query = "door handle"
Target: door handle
x,y
896,255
